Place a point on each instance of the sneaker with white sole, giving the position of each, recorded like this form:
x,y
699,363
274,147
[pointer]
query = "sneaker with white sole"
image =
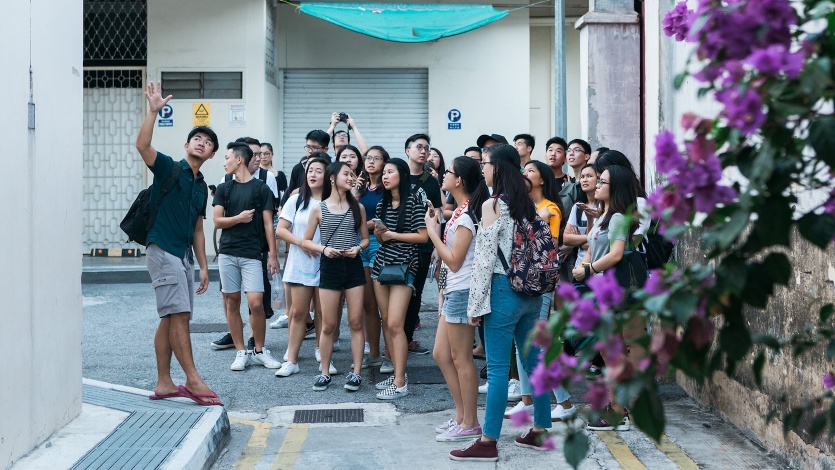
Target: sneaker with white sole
x,y
287,369
386,367
241,360
457,433
310,331
281,322
393,392
337,346
321,382
224,342
367,349
560,414
331,369
482,389
265,358
387,383
353,382
318,354
514,390
602,424
445,426
286,355
368,362
519,407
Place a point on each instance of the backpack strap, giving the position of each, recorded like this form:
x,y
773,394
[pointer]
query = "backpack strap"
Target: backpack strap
x,y
262,175
424,177
172,179
227,178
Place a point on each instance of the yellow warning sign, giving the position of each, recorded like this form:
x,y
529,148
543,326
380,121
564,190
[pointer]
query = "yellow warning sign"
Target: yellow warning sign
x,y
201,113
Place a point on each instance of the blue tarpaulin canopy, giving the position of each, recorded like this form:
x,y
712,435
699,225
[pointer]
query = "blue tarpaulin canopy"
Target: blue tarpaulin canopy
x,y
405,22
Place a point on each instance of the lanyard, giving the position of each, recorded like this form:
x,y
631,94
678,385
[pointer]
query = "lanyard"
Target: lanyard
x,y
454,217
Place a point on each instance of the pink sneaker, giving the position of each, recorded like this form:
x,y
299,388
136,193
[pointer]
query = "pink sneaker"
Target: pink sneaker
x,y
457,433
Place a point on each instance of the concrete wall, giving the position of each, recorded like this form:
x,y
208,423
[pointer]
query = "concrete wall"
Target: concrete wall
x,y
40,277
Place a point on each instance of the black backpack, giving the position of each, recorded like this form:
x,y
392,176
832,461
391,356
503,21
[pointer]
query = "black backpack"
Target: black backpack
x,y
140,217
659,250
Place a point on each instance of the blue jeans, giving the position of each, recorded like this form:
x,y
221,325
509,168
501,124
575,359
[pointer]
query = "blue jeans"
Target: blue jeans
x,y
561,394
512,316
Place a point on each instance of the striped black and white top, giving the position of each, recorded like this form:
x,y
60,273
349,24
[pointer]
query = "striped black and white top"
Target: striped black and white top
x,y
397,252
337,230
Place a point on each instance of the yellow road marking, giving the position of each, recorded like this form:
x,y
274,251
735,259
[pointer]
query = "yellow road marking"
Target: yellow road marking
x,y
620,451
291,447
255,447
674,453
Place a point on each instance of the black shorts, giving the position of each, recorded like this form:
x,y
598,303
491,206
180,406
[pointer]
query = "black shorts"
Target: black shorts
x,y
340,273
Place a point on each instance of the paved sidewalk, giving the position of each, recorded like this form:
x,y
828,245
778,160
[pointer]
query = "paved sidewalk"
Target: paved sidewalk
x,y
119,427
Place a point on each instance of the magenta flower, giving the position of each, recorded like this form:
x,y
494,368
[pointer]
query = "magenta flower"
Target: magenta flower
x,y
829,380
699,331
667,157
675,22
585,316
664,344
520,418
567,292
613,349
597,395
656,284
829,207
607,291
545,378
743,109
776,58
542,334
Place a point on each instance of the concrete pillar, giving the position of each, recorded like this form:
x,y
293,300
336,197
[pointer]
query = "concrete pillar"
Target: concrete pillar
x,y
610,77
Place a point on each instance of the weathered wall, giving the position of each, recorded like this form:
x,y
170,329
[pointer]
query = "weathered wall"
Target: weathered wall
x,y
793,307
40,270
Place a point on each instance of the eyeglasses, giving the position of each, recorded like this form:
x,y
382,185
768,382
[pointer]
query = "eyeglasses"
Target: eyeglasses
x,y
482,163
575,150
601,182
312,148
422,148
450,172
374,159
257,154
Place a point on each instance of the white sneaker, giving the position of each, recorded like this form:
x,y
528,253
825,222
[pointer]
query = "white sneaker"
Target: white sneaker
x,y
286,355
562,414
367,349
331,369
241,360
386,367
482,389
393,392
337,346
519,407
318,357
287,369
281,322
514,390
265,359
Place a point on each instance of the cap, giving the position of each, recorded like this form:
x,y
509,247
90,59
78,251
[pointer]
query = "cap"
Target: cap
x,y
482,139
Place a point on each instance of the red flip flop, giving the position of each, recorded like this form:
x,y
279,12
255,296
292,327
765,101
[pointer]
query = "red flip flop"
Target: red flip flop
x,y
198,397
176,394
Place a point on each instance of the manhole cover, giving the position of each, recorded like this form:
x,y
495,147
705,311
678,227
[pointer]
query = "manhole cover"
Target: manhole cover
x,y
350,415
208,327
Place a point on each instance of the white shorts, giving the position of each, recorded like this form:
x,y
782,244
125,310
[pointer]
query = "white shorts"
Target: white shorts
x,y
240,274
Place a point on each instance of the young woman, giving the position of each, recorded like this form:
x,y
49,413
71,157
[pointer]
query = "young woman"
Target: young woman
x,y
505,313
437,159
301,270
614,158
454,338
401,229
544,192
370,188
615,192
342,223
579,220
352,156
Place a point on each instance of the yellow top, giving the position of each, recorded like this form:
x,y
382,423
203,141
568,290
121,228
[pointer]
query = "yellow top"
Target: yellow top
x,y
556,216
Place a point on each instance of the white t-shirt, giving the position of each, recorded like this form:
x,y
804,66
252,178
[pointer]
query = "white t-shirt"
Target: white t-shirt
x,y
271,182
644,217
460,280
582,227
300,268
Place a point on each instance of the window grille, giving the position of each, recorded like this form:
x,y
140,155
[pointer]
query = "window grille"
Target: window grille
x,y
206,85
112,78
115,33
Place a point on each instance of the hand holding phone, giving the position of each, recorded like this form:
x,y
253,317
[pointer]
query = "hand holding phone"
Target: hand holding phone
x,y
377,221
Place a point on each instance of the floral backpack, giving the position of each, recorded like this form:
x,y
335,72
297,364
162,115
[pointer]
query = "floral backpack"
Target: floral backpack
x,y
533,267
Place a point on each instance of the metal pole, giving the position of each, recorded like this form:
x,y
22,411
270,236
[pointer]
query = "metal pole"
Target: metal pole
x,y
560,112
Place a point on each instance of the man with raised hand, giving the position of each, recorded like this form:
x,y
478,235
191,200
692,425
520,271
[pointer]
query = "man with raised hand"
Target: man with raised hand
x,y
174,240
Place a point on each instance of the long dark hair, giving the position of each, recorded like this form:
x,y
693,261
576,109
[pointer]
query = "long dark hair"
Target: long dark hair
x,y
469,170
360,160
386,158
404,190
583,197
622,197
614,158
440,171
304,190
549,189
508,181
330,172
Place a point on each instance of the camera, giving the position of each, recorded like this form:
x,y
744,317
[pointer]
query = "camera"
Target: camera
x,y
343,117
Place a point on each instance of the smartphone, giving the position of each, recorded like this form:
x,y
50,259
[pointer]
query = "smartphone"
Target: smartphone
x,y
429,207
377,221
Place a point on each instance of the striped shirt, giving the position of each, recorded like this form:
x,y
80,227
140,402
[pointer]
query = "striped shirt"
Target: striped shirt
x,y
397,252
337,230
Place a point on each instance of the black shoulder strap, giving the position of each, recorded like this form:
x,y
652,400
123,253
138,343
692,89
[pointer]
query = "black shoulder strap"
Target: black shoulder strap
x,y
262,174
172,179
227,178
424,177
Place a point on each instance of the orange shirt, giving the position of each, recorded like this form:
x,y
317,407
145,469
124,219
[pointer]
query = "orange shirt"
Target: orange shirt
x,y
556,216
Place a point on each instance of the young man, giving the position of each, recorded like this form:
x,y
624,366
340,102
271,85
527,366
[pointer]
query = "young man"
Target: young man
x,y
485,140
474,153
555,158
341,137
315,141
597,153
243,209
524,144
176,233
417,151
577,156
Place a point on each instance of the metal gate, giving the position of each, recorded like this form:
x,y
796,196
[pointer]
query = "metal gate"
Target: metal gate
x,y
114,172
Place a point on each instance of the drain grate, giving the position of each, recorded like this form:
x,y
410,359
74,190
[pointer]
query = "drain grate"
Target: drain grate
x,y
349,415
208,327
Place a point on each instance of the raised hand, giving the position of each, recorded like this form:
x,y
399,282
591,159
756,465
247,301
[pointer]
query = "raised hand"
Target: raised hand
x,y
154,97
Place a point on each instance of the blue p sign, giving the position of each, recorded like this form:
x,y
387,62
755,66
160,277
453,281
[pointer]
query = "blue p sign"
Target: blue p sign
x,y
454,115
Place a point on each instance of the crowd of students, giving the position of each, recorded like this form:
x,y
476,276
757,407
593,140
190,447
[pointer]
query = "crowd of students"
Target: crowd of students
x,y
365,230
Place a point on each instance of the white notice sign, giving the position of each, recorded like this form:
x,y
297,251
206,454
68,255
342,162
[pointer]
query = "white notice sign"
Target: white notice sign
x,y
237,115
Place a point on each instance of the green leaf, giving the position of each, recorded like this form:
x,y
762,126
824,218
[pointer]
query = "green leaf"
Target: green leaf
x,y
791,420
767,340
735,340
826,312
818,424
759,362
822,138
648,413
817,228
779,268
625,391
575,448
725,235
683,304
679,80
773,226
731,273
830,350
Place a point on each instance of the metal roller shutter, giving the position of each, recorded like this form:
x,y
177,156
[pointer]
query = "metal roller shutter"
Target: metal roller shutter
x,y
388,105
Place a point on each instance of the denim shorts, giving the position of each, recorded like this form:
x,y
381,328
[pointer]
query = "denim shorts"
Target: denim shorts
x,y
369,254
454,309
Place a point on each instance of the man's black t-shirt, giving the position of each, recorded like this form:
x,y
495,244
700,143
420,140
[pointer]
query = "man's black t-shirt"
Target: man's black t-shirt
x,y
243,240
432,189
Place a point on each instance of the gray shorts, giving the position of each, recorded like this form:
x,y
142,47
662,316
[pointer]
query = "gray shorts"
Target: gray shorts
x,y
240,274
454,309
172,279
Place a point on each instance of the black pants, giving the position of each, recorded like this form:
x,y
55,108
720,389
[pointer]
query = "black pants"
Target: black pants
x,y
412,317
268,289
